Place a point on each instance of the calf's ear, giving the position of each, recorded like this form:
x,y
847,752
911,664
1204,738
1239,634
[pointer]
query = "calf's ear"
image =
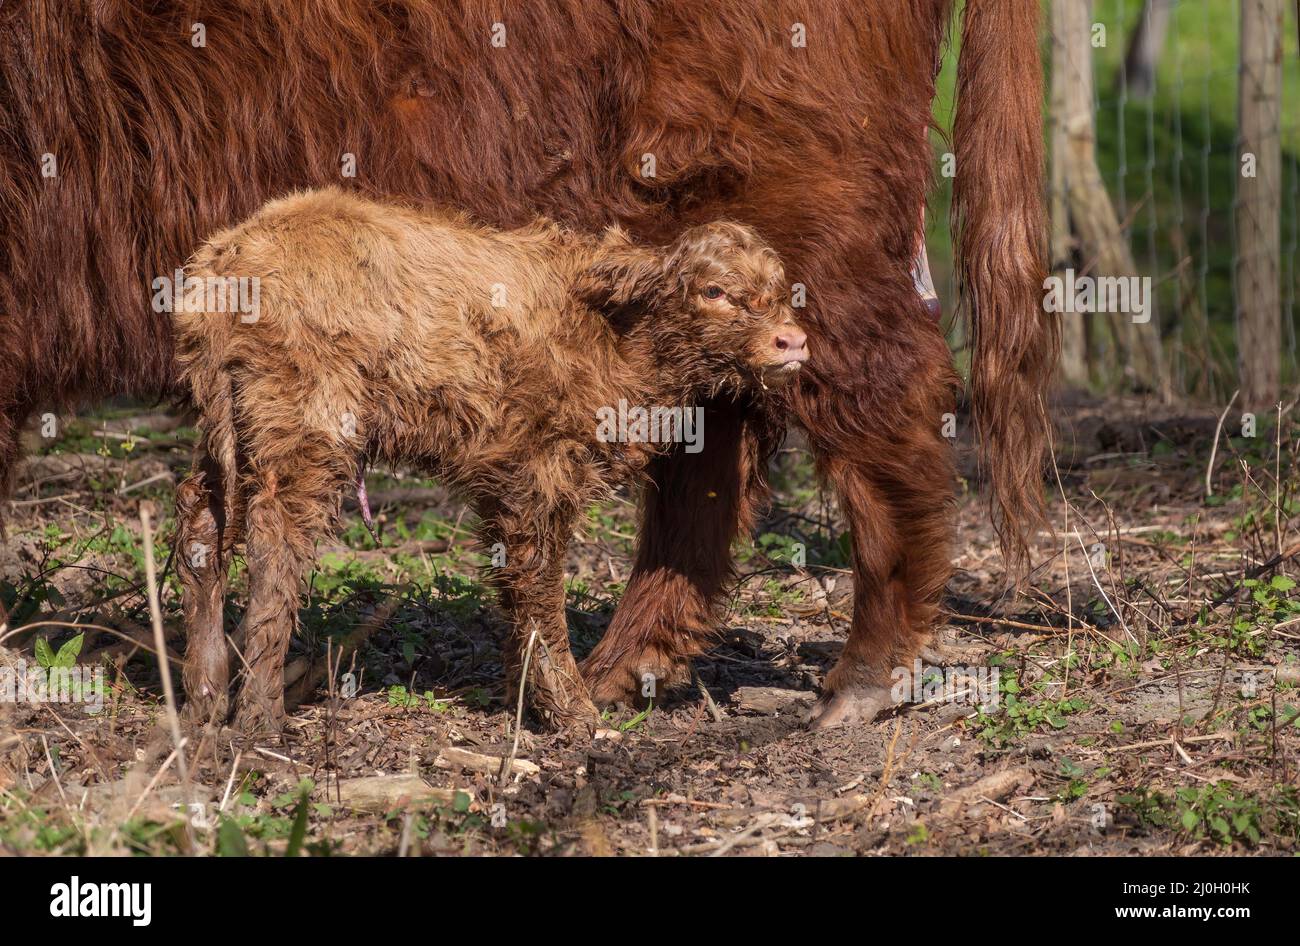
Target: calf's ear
x,y
621,275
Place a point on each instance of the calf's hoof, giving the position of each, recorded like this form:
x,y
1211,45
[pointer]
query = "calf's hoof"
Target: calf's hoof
x,y
849,706
557,696
560,710
260,719
206,710
579,720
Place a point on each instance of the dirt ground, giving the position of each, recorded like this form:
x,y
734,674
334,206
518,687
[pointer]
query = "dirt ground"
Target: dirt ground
x,y
1138,695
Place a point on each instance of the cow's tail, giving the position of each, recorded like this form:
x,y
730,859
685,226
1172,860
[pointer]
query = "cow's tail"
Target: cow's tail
x,y
999,221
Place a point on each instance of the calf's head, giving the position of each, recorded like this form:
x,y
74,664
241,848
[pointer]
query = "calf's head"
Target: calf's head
x,y
714,304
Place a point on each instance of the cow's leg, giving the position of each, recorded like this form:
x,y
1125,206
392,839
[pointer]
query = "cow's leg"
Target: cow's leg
x,y
11,425
695,507
895,485
202,562
901,557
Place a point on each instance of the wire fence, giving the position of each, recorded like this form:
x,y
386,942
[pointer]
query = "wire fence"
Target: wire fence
x,y
1168,153
1175,177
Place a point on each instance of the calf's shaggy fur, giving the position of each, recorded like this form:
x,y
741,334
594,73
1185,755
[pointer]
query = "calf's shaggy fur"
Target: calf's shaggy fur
x,y
482,356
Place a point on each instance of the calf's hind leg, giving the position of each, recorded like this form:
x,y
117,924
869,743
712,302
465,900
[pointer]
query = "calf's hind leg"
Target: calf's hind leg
x,y
202,555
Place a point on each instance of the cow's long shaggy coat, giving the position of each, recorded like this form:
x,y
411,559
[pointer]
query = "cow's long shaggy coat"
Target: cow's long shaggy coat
x,y
131,129
490,359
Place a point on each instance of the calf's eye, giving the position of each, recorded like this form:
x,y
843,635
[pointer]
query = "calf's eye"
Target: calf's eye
x,y
713,292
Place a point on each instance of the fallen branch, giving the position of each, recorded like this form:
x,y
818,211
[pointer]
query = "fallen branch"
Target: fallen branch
x,y
464,760
993,787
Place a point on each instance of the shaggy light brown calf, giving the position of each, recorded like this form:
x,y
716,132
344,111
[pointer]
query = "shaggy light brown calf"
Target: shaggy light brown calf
x,y
484,357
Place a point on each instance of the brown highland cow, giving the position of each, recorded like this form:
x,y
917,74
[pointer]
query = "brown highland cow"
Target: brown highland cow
x,y
131,130
483,357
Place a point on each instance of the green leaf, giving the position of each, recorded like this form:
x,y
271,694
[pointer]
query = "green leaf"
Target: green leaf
x,y
1190,820
460,803
298,833
67,655
230,839
44,656
1282,583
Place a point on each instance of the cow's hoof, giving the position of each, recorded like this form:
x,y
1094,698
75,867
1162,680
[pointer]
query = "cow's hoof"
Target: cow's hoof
x,y
638,680
849,706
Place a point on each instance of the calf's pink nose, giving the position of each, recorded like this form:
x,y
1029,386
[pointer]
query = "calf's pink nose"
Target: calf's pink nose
x,y
790,340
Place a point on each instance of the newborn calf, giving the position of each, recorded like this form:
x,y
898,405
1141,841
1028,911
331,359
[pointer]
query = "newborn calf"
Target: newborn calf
x,y
483,357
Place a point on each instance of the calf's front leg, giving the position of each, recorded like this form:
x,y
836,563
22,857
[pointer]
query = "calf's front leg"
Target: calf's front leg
x,y
288,511
531,585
